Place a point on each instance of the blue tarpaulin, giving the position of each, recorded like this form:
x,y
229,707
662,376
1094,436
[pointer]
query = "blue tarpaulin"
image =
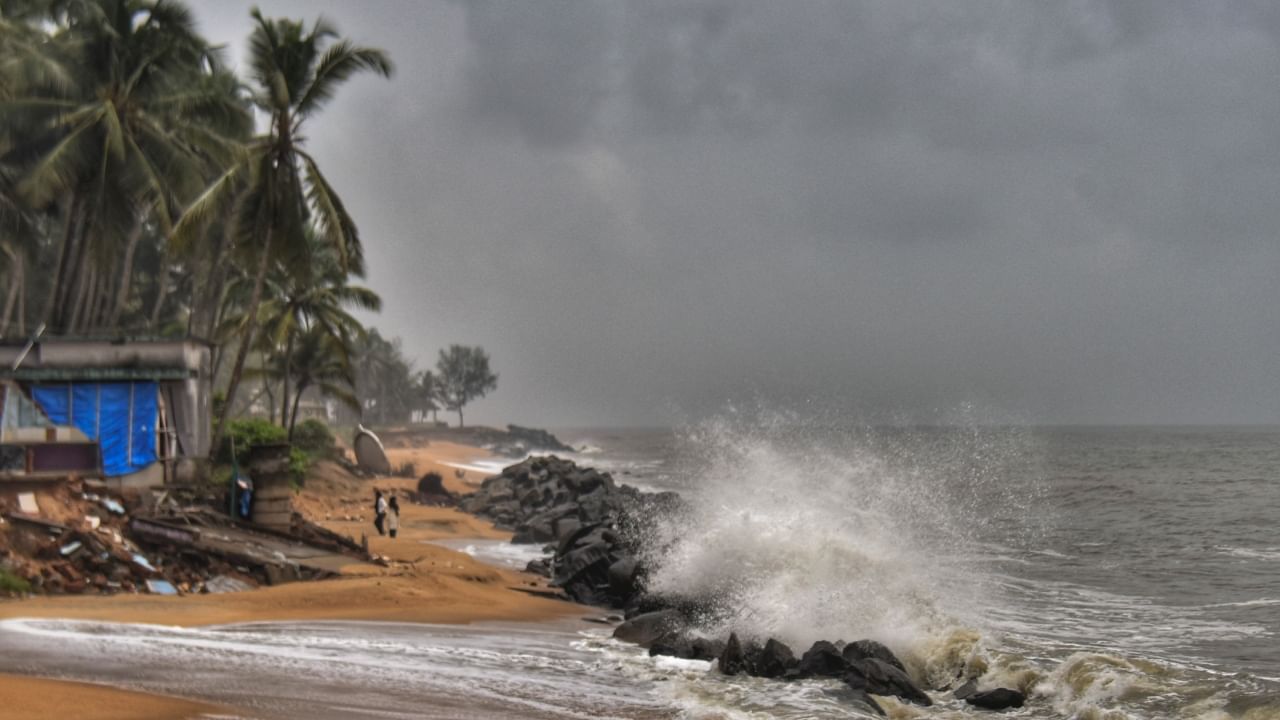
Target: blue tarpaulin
x,y
120,416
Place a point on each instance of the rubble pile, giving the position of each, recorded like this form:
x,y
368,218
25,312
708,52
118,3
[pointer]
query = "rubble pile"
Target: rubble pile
x,y
103,542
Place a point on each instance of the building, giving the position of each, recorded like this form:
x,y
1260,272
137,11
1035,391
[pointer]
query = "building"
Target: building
x,y
135,412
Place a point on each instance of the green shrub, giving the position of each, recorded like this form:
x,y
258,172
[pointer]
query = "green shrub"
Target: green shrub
x,y
247,433
314,438
12,584
299,463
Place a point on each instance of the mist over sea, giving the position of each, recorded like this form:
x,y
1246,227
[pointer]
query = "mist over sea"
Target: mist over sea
x,y
1112,573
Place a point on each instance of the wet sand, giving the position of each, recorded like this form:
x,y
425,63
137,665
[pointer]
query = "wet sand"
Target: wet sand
x,y
419,582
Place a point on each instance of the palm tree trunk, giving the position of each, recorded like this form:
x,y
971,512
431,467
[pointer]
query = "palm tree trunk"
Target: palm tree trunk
x,y
460,423
66,249
271,399
126,275
79,298
206,309
219,351
251,328
15,287
162,287
293,416
284,395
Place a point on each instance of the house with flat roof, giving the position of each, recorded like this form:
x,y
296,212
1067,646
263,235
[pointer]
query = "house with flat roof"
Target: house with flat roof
x,y
135,412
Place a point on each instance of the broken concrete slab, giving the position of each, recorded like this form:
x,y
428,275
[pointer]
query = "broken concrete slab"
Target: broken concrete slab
x,y
27,503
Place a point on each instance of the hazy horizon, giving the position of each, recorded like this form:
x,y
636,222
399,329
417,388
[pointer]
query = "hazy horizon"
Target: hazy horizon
x,y
1047,214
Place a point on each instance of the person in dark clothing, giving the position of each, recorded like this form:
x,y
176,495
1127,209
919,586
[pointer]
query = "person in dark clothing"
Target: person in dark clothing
x,y
393,517
379,511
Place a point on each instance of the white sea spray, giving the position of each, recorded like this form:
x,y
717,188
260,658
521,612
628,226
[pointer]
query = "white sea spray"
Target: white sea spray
x,y
808,531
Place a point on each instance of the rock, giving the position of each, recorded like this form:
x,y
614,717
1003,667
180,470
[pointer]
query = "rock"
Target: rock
x,y
582,559
644,629
881,678
998,699
865,649
861,697
732,659
431,491
565,527
820,660
775,660
539,567
536,439
533,533
966,690
576,537
622,577
679,645
706,648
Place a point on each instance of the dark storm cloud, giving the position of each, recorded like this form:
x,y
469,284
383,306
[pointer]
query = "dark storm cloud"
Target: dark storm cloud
x,y
1063,212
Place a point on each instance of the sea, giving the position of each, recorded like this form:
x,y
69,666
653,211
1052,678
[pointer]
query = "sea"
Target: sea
x,y
1109,572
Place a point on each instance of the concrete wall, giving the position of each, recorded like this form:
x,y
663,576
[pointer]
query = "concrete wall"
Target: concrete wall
x,y
189,400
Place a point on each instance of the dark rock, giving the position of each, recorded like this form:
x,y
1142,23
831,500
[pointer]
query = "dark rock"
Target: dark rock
x,y
539,567
861,697
671,645
732,659
575,538
622,577
565,527
537,439
680,645
583,481
706,648
865,649
966,690
533,533
821,660
644,629
881,678
775,660
998,699
581,559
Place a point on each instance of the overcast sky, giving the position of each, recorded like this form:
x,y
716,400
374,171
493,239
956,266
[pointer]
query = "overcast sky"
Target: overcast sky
x,y
1059,212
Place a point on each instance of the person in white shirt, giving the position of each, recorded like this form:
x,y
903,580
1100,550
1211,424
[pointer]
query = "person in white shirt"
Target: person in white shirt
x,y
393,517
380,511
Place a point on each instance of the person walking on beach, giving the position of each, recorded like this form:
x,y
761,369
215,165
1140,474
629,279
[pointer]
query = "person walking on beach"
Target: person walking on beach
x,y
379,511
393,517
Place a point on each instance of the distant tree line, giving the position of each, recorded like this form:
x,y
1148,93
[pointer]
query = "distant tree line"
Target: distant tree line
x,y
392,392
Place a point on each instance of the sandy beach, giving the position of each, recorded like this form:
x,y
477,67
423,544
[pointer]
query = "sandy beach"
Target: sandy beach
x,y
26,697
417,582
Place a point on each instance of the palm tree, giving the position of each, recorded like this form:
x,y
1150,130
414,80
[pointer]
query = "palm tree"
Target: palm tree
x,y
427,391
277,186
318,360
17,246
322,361
311,290
133,124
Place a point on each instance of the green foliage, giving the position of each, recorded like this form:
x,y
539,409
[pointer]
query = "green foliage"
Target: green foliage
x,y
247,433
314,438
12,584
384,380
299,463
